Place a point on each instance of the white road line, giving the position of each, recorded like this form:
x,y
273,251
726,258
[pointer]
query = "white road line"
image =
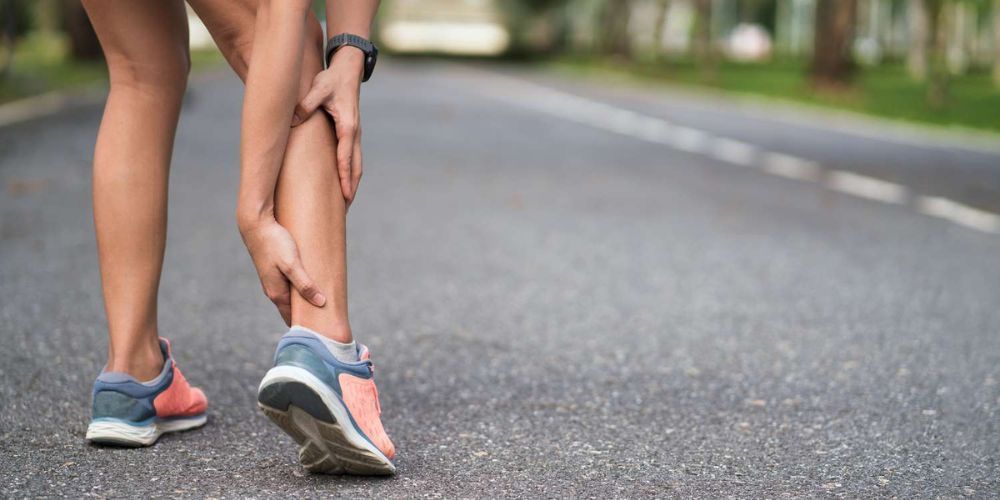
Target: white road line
x,y
791,167
655,130
867,187
32,107
732,151
690,140
630,123
960,214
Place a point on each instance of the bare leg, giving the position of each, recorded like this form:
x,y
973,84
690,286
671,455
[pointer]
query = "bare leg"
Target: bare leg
x,y
146,47
308,201
310,205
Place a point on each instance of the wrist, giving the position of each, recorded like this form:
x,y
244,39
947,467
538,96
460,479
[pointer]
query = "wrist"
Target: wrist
x,y
349,60
251,216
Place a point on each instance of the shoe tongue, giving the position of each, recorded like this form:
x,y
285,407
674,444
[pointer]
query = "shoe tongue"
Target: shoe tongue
x,y
363,353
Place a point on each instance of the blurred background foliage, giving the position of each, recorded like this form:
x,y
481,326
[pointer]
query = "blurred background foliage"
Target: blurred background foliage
x,y
934,61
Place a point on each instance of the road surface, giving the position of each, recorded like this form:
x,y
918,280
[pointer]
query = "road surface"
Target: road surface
x,y
570,289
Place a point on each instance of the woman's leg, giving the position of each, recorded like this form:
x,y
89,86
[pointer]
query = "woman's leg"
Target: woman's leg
x,y
308,201
146,47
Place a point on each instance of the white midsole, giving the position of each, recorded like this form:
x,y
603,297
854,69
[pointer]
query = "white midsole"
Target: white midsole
x,y
144,435
330,399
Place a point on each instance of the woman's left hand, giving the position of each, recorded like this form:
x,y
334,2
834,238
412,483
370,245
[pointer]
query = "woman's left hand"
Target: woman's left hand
x,y
337,90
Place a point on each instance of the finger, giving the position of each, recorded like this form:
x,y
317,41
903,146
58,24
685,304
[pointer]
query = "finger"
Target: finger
x,y
345,153
277,291
307,106
285,310
306,287
356,165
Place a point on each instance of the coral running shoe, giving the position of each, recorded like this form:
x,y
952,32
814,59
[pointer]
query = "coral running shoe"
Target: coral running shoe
x,y
329,407
127,412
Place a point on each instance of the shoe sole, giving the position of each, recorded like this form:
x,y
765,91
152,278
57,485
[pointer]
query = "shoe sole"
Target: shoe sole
x,y
117,432
317,419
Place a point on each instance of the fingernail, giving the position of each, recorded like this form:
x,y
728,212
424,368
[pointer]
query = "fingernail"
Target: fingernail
x,y
319,300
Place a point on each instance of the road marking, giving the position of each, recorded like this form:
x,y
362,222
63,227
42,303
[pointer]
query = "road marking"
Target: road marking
x,y
690,140
791,167
959,213
656,130
648,128
32,107
732,151
867,187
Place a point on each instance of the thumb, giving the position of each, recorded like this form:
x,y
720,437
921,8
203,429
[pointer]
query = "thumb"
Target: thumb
x,y
304,284
307,106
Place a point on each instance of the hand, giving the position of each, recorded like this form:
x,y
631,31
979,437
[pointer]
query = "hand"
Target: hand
x,y
337,89
278,264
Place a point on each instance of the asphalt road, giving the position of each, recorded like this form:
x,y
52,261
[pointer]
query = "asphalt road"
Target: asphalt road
x,y
556,307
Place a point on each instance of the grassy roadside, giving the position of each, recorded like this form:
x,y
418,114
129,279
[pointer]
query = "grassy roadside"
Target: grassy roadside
x,y
41,64
885,91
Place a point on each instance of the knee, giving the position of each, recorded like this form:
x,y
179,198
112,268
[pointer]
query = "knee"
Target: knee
x,y
158,74
235,45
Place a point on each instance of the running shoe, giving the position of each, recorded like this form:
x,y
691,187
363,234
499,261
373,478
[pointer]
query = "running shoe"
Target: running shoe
x,y
127,412
330,408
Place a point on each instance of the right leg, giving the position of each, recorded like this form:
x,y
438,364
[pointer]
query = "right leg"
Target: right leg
x,y
307,200
146,47
338,427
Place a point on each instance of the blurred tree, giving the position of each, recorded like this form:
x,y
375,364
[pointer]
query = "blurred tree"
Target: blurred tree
x,y
663,7
996,42
15,19
832,64
536,25
704,49
83,43
614,19
918,38
937,53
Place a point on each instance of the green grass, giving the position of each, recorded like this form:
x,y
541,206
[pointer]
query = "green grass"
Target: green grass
x,y
41,64
886,91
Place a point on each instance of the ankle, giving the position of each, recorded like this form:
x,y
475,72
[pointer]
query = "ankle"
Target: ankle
x,y
339,332
143,363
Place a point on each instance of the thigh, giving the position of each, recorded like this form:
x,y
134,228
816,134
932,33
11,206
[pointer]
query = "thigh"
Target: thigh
x,y
144,41
231,24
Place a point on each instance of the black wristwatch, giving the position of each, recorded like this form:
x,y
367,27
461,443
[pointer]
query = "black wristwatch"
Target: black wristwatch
x,y
370,50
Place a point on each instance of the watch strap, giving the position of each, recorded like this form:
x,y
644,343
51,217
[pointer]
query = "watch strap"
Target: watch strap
x,y
366,46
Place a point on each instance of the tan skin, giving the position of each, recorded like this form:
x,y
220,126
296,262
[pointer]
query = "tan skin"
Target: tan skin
x,y
295,183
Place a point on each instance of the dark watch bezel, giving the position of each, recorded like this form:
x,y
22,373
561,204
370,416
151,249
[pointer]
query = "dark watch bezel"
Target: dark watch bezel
x,y
365,45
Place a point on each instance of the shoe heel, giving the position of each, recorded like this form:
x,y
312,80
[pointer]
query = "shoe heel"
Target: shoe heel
x,y
120,433
282,394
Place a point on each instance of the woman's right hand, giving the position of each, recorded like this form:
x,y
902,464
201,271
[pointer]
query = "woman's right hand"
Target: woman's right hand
x,y
279,266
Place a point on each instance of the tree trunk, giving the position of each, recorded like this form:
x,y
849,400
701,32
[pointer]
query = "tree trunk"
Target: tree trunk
x,y
937,88
83,42
832,64
996,42
704,51
918,39
615,40
661,28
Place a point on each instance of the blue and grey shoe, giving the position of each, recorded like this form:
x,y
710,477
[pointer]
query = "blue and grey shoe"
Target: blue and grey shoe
x,y
127,412
329,407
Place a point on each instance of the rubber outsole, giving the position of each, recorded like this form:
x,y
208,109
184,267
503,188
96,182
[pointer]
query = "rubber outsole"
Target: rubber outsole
x,y
119,433
292,400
